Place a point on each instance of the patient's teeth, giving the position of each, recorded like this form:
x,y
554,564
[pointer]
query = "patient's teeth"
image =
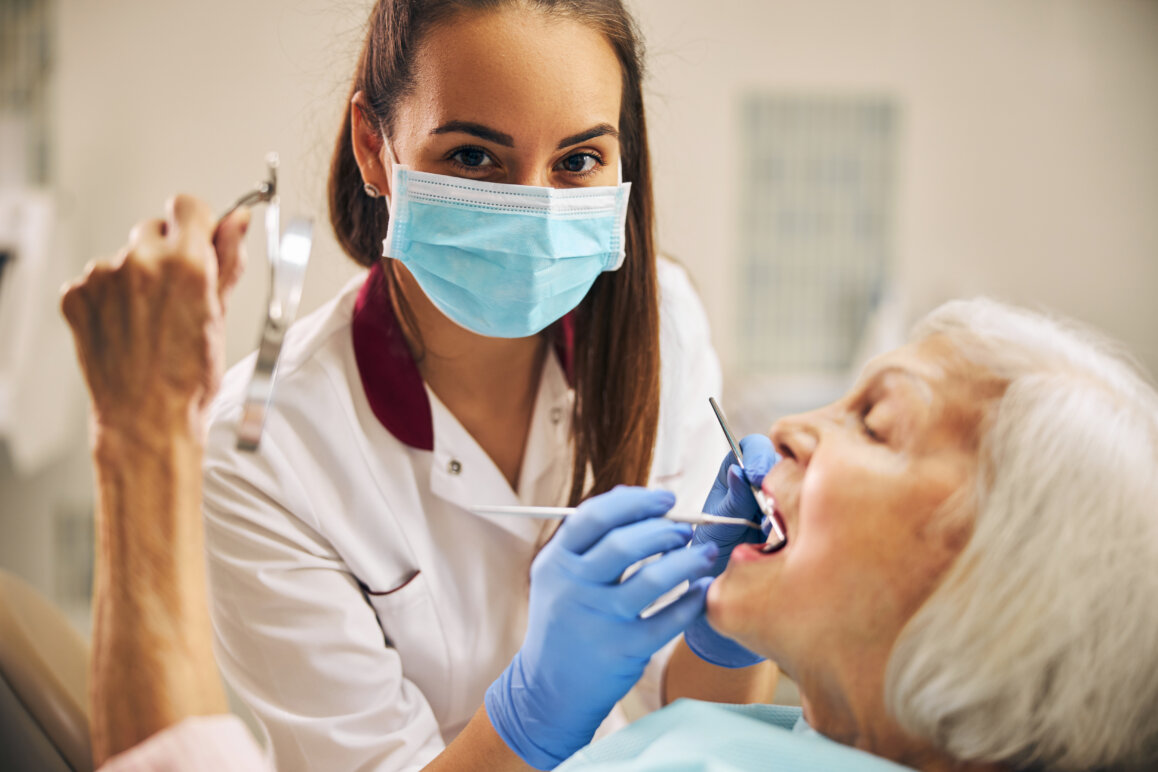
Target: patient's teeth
x,y
772,542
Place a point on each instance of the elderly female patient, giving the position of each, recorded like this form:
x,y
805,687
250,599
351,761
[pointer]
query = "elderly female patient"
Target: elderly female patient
x,y
971,574
969,580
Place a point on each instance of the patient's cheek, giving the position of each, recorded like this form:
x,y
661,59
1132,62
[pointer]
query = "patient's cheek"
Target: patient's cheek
x,y
822,499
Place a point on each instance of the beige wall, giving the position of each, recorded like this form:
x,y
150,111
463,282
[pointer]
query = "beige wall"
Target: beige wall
x,y
157,96
1029,159
1029,155
1030,140
161,97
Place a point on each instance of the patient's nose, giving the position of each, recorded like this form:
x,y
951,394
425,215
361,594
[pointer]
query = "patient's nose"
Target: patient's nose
x,y
794,437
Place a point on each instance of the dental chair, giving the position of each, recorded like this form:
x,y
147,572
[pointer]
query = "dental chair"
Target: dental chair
x,y
43,685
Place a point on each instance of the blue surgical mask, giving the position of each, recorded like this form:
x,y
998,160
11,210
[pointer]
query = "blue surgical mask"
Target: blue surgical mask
x,y
504,260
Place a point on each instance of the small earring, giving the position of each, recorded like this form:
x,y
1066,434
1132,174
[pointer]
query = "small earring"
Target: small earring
x,y
371,190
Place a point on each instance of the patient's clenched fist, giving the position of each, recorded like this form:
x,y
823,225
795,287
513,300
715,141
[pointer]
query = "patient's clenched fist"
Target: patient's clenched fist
x,y
148,323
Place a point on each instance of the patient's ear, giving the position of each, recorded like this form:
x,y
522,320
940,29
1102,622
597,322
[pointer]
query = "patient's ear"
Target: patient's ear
x,y
368,145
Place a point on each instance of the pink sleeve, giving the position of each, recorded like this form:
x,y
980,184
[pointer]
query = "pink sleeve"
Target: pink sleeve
x,y
197,744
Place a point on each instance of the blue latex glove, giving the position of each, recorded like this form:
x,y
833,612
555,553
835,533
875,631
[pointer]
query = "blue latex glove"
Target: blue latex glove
x,y
731,496
586,644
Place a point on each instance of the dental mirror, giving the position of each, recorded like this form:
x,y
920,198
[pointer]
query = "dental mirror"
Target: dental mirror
x,y
288,254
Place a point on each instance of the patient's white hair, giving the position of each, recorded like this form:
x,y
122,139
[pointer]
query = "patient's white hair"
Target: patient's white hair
x,y
1040,646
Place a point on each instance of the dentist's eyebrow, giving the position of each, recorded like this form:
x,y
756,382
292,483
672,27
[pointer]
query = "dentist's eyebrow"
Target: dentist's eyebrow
x,y
476,130
602,130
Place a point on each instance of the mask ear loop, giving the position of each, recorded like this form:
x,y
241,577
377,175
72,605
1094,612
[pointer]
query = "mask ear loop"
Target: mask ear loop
x,y
393,163
394,177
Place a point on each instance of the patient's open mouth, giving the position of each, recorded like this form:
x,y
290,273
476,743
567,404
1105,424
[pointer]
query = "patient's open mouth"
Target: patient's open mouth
x,y
775,543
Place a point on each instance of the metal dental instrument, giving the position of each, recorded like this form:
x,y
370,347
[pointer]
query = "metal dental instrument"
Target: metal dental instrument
x,y
767,506
288,254
695,518
262,193
288,273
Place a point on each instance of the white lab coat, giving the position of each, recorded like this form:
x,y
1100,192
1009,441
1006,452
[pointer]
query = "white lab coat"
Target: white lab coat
x,y
359,609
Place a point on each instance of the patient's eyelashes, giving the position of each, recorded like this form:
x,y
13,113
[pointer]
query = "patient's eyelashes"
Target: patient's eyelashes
x,y
867,424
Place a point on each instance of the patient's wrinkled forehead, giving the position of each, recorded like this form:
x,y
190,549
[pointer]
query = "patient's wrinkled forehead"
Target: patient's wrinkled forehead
x,y
946,396
964,389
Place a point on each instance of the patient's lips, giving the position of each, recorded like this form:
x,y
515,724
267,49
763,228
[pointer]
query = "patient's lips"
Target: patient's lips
x,y
773,544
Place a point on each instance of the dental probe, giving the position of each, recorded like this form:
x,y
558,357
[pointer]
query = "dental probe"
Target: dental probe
x,y
767,506
695,518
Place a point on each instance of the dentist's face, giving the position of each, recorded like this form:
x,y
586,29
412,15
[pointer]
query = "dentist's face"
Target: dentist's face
x,y
513,96
860,488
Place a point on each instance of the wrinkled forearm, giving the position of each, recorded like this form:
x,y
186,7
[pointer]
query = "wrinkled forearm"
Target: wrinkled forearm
x,y
152,641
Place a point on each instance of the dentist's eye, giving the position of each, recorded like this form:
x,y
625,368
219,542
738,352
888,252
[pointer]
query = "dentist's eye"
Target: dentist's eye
x,y
581,163
472,158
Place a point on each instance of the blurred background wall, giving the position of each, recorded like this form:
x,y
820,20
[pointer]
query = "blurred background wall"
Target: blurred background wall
x,y
1015,154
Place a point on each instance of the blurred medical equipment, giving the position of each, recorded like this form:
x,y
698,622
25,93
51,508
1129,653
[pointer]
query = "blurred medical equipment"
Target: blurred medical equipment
x,y
767,506
44,722
40,387
694,518
288,254
819,242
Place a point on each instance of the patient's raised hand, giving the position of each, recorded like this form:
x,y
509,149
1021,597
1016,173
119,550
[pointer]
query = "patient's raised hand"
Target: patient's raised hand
x,y
148,323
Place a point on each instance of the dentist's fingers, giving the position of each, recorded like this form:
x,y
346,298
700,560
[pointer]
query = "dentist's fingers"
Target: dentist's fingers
x,y
740,502
732,494
647,584
733,499
600,514
759,457
623,547
671,620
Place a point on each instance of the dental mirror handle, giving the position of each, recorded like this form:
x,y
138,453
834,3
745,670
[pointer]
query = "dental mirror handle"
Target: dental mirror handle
x,y
767,506
263,192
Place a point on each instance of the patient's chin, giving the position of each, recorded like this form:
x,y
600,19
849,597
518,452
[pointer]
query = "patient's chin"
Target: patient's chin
x,y
725,606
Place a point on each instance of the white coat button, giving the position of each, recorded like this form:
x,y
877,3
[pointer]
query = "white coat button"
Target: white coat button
x,y
454,467
556,415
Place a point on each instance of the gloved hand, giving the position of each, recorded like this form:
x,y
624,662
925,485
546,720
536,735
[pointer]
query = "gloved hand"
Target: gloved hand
x,y
586,644
731,495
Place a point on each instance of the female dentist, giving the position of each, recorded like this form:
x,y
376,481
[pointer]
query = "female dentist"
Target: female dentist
x,y
520,345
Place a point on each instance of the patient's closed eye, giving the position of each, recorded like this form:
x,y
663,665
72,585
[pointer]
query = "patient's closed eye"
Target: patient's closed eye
x,y
873,426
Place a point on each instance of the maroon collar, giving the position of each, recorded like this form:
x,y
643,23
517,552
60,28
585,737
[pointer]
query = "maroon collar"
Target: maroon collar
x,y
389,373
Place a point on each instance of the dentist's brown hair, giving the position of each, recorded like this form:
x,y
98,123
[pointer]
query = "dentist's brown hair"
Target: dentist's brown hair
x,y
616,333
